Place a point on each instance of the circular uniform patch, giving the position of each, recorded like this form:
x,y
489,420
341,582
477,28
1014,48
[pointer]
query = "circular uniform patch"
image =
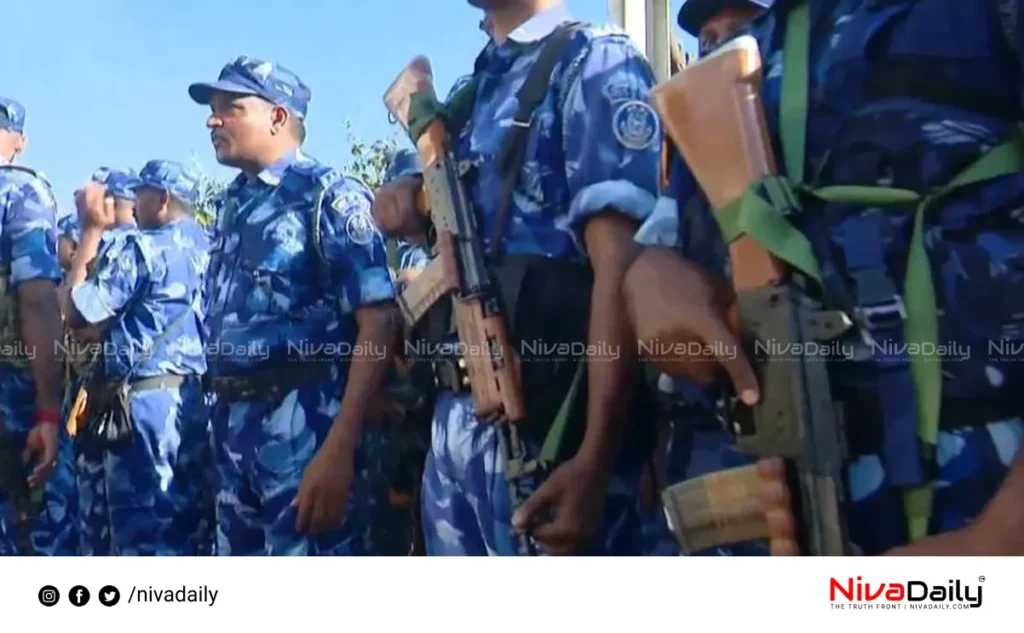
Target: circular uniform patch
x,y
360,228
635,125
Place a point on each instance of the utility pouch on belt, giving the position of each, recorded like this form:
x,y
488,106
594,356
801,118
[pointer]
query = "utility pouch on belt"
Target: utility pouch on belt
x,y
108,407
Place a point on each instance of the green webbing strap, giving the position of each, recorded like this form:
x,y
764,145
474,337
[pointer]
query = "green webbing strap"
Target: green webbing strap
x,y
795,77
423,110
922,324
761,213
553,441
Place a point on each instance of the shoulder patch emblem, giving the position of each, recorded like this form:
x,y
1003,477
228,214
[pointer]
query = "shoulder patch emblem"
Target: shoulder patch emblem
x,y
360,228
635,125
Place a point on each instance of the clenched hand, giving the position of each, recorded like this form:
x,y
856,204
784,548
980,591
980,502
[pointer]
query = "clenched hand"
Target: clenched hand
x,y
324,491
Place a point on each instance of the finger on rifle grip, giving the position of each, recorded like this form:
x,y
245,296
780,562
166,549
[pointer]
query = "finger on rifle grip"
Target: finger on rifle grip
x,y
730,355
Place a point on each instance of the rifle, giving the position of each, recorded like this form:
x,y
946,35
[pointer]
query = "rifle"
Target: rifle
x,y
458,268
713,113
24,502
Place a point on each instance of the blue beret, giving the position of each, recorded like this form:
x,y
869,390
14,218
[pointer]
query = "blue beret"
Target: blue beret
x,y
249,76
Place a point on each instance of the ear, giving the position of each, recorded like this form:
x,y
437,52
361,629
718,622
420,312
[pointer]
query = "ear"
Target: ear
x,y
165,199
21,144
279,117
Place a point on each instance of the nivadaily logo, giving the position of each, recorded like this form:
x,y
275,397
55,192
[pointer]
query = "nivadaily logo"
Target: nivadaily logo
x,y
913,594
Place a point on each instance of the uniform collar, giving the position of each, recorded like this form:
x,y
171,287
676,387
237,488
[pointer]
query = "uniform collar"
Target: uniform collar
x,y
272,173
541,25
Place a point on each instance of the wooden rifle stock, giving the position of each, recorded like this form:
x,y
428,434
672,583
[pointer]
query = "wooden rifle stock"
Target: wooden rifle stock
x,y
732,149
458,270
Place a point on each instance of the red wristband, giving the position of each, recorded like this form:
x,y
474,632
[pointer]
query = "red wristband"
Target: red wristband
x,y
47,416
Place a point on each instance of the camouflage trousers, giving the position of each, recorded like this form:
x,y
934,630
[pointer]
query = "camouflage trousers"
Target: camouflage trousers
x,y
467,502
261,450
151,497
54,530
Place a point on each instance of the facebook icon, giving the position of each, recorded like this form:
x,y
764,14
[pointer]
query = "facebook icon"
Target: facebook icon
x,y
79,596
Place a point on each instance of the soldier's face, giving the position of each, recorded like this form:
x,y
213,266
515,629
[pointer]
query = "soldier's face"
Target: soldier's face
x,y
11,144
239,128
722,26
65,252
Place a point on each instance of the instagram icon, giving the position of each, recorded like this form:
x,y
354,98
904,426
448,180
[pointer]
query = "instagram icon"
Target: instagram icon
x,y
49,596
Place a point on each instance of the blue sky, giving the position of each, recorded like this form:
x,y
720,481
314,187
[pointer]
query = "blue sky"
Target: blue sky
x,y
105,81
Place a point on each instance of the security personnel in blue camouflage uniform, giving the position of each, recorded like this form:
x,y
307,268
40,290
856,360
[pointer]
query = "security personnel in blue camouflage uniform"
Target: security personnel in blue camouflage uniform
x,y
141,491
30,376
301,313
588,179
80,349
68,235
890,103
696,442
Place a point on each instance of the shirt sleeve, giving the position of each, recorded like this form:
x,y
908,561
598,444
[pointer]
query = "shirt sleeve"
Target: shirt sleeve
x,y
32,226
683,220
118,276
662,227
353,247
611,135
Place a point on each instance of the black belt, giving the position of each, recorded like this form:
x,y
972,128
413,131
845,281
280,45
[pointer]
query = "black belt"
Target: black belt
x,y
267,383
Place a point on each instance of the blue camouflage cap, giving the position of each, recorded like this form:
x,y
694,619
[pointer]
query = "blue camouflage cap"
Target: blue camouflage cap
x,y
172,177
12,115
249,76
404,163
120,183
67,226
695,13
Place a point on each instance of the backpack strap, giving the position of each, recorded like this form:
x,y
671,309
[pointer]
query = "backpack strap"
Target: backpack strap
x,y
324,178
512,154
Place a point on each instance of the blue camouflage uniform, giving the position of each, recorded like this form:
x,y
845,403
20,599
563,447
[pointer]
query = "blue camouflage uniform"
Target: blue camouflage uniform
x,y
28,251
594,145
147,497
915,113
297,255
